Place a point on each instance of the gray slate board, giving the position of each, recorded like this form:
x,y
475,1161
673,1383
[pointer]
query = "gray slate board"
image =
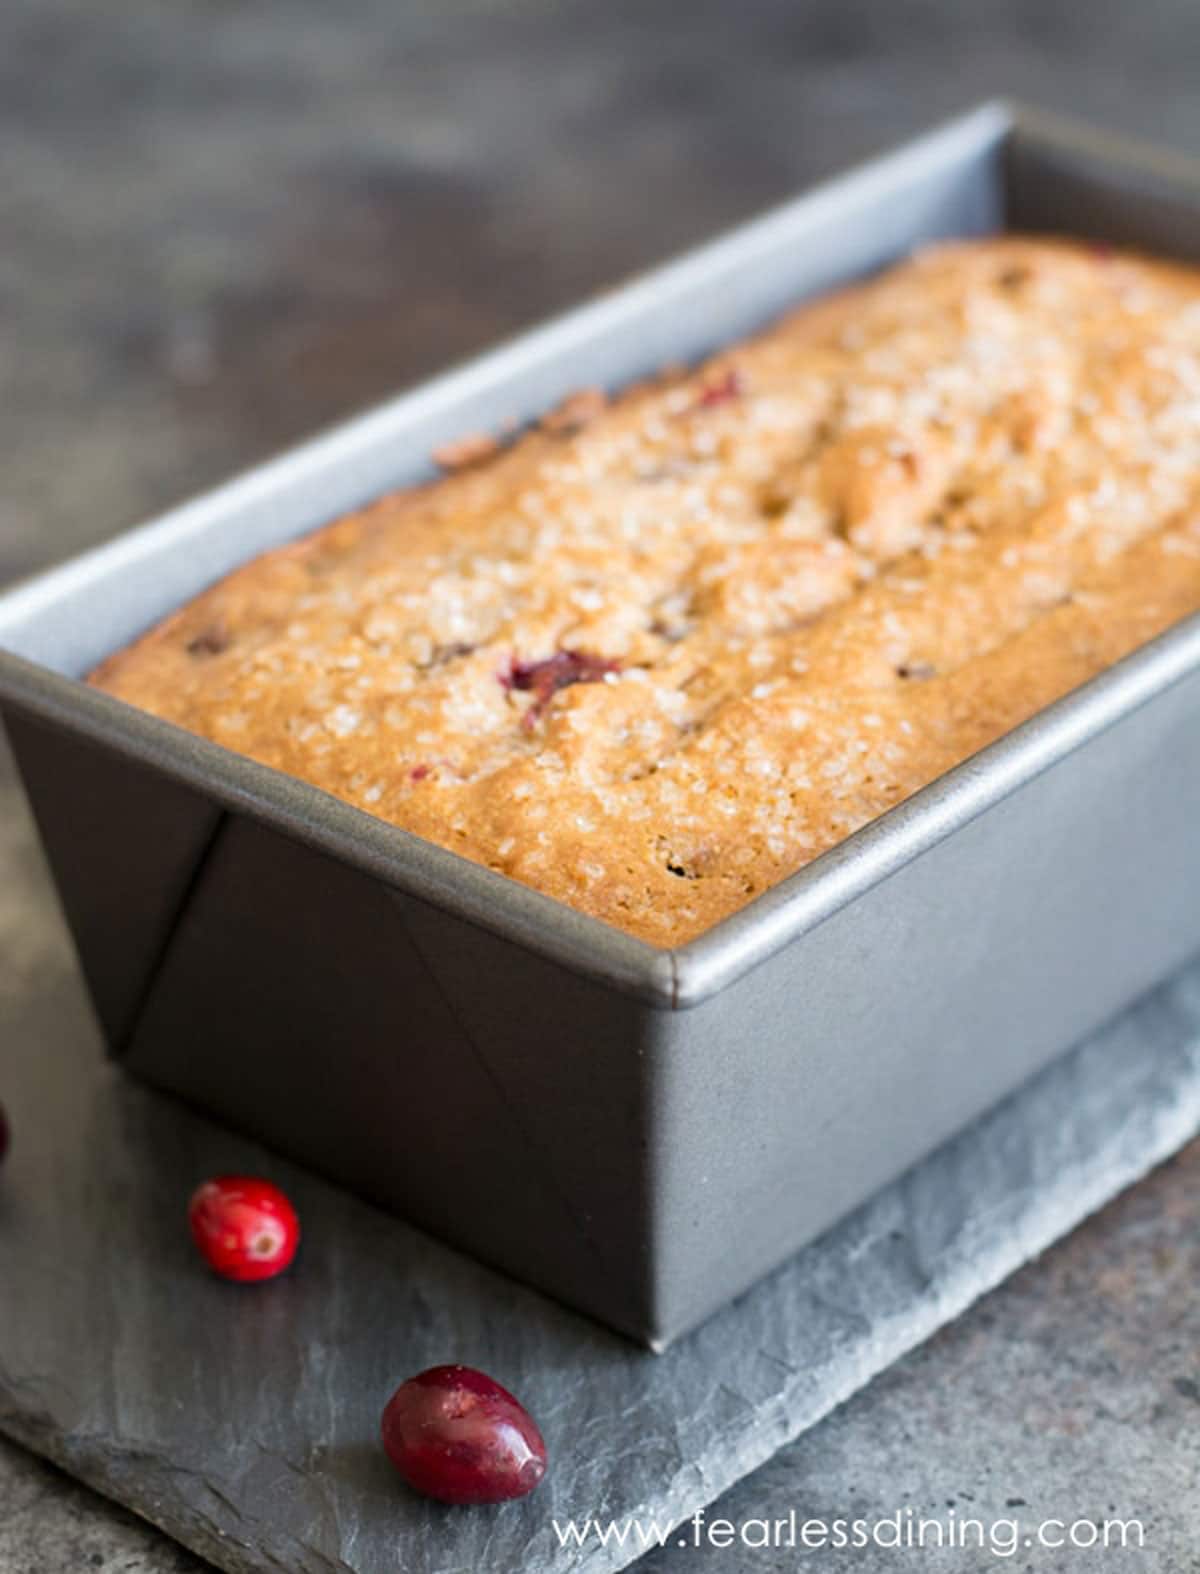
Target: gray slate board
x,y
244,1422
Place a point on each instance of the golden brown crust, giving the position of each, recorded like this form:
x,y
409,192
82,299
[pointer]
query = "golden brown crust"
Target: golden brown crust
x,y
660,653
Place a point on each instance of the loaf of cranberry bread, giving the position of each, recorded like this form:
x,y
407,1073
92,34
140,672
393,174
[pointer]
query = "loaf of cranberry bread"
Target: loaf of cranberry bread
x,y
657,653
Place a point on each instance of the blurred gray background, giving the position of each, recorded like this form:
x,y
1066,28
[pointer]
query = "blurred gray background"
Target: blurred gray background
x,y
225,224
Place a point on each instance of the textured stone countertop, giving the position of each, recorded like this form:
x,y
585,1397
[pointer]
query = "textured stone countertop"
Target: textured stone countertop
x,y
225,226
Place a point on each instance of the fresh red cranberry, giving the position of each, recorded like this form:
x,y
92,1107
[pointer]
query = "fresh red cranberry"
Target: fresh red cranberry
x,y
246,1229
457,1436
544,678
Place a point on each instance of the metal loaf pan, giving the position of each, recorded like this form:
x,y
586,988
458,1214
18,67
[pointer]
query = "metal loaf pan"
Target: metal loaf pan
x,y
641,1133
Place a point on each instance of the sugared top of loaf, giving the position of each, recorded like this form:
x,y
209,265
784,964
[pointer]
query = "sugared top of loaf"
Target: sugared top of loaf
x,y
658,653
